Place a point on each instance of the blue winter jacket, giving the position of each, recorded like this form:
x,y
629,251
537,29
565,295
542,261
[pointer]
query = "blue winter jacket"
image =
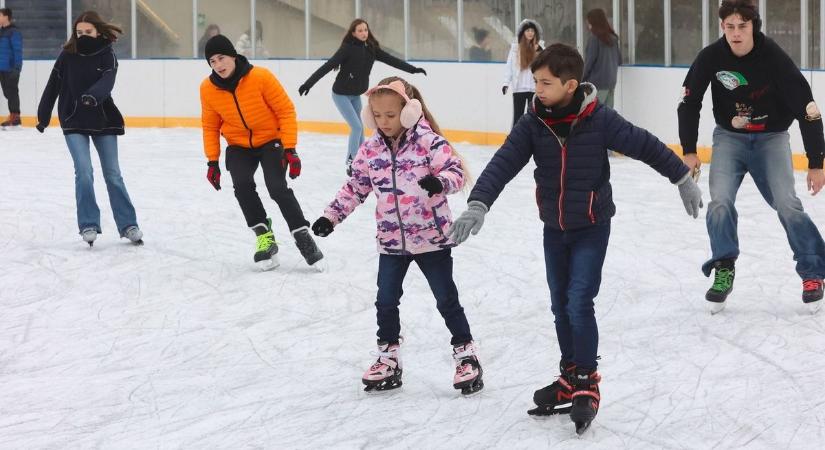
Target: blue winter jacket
x,y
11,49
573,175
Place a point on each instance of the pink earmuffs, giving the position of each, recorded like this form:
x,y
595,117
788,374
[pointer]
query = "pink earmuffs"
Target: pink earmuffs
x,y
409,114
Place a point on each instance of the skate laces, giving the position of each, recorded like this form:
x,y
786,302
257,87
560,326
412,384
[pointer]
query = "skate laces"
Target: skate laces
x,y
722,280
811,285
265,241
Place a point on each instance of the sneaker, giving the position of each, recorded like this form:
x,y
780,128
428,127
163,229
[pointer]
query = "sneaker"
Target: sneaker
x,y
266,249
812,294
722,284
306,245
468,371
385,373
12,121
134,234
89,235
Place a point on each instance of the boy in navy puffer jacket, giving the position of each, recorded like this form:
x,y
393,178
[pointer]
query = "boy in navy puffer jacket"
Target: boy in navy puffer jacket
x,y
567,133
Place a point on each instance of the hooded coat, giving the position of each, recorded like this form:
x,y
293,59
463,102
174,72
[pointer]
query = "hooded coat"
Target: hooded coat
x,y
516,78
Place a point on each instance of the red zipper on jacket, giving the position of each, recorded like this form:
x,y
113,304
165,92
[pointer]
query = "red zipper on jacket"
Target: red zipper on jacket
x,y
590,208
563,172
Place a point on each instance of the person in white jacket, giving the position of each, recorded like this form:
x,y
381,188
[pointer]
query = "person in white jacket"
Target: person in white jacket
x,y
517,76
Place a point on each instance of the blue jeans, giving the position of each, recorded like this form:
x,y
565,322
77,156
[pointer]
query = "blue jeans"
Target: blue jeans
x,y
574,261
767,157
350,107
88,214
437,268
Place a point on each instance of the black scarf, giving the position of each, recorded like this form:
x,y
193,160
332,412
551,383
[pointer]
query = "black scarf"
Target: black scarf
x,y
560,118
87,45
242,67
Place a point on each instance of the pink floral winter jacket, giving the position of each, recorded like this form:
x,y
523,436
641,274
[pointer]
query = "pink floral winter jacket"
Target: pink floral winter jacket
x,y
409,221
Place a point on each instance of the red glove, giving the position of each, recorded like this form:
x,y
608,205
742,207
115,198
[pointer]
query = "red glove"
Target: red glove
x,y
291,158
214,175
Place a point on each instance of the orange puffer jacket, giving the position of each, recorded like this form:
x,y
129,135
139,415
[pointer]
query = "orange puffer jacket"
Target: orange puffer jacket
x,y
257,112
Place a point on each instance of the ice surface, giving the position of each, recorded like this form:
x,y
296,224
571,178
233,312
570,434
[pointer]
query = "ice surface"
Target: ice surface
x,y
185,343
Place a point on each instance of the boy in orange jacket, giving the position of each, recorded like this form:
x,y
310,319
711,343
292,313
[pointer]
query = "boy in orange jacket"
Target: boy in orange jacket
x,y
249,107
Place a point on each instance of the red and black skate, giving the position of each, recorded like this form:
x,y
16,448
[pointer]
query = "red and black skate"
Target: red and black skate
x,y
812,294
586,398
556,398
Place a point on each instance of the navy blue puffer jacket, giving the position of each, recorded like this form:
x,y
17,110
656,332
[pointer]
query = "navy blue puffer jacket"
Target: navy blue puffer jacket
x,y
573,175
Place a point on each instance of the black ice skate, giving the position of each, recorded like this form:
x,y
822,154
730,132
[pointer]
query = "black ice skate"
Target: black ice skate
x,y
556,398
385,373
306,245
266,251
468,371
812,294
586,398
722,284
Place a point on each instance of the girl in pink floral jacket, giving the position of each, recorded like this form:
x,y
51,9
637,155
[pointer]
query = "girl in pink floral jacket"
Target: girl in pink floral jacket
x,y
410,168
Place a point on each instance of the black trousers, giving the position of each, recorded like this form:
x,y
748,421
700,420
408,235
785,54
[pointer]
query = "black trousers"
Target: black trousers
x,y
242,163
9,81
520,102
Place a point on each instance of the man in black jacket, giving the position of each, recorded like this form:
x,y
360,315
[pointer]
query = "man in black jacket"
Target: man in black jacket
x,y
757,92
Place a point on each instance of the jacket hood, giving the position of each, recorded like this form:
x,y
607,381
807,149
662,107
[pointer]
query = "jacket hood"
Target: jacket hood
x,y
527,23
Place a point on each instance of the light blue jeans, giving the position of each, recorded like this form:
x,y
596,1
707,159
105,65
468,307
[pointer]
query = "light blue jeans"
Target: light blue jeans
x,y
767,157
88,214
350,107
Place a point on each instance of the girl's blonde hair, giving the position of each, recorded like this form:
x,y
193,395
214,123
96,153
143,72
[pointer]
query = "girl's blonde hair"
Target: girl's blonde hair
x,y
413,93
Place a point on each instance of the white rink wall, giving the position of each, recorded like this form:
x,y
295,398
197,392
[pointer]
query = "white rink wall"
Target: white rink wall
x,y
462,96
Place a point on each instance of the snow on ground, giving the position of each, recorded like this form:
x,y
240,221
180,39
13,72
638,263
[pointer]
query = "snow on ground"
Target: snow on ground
x,y
183,343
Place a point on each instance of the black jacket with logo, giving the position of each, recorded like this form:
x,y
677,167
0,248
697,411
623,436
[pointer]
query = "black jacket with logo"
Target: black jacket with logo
x,y
762,91
355,59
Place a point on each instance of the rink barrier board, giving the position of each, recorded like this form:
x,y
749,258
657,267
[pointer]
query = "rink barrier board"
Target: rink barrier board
x,y
800,161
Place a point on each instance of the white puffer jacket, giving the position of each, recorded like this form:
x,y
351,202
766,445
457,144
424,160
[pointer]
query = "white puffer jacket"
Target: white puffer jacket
x,y
516,79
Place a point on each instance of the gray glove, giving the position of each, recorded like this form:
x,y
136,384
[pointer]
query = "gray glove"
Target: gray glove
x,y
470,220
691,195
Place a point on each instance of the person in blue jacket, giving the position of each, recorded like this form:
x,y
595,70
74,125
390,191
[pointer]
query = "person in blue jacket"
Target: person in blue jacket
x,y
11,63
83,77
567,132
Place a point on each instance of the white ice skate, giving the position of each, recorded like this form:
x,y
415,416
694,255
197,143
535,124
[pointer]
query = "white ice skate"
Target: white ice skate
x,y
89,235
134,234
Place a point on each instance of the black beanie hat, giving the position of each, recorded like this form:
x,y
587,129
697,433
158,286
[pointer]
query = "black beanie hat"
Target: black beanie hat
x,y
219,45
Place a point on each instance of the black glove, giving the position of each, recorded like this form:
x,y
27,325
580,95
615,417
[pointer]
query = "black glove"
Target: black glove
x,y
213,175
322,227
420,70
432,185
40,127
504,90
303,90
88,100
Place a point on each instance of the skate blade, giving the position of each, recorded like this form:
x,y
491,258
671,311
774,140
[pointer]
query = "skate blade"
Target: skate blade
x,y
716,307
373,388
320,266
545,411
12,128
581,427
814,307
268,264
138,242
472,389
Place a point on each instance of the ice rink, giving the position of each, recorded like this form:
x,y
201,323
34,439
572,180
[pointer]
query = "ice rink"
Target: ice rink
x,y
183,343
